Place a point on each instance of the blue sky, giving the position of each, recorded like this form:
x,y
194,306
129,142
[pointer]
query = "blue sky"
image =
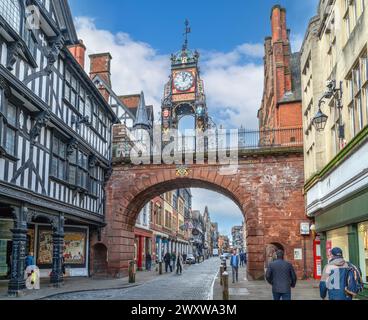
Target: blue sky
x,y
229,34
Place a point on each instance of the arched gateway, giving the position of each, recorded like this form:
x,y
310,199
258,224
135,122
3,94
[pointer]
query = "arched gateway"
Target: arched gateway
x,y
266,185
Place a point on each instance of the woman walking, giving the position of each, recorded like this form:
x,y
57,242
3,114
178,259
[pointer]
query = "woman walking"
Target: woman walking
x,y
179,264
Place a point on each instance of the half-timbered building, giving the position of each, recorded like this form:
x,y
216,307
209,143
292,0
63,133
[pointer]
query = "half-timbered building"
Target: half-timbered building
x,y
55,144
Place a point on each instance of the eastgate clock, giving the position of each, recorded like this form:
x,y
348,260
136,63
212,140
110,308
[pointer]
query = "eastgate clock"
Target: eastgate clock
x,y
183,80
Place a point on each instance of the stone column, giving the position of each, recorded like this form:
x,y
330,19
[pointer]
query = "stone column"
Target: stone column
x,y
17,281
56,277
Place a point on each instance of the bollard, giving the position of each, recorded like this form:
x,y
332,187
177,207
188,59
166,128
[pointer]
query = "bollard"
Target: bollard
x,y
221,272
160,267
131,272
225,292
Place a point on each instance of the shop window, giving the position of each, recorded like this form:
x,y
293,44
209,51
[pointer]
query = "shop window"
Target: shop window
x,y
363,249
338,238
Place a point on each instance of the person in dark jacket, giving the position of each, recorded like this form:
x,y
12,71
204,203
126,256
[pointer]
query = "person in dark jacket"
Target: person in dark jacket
x,y
167,260
148,261
281,275
334,277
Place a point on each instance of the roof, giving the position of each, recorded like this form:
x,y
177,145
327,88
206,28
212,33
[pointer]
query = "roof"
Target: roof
x,y
132,102
142,118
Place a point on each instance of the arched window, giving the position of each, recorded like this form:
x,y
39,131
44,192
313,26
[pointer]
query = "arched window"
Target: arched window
x,y
10,10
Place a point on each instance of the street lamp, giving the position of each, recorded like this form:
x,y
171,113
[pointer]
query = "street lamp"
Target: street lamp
x,y
320,119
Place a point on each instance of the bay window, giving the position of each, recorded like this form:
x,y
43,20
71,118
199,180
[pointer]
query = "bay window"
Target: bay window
x,y
58,162
10,10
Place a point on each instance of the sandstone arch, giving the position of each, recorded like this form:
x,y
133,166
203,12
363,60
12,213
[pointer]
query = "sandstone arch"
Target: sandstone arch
x,y
267,188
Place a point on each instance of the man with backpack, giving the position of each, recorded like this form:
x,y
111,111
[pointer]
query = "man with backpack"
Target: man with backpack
x,y
341,280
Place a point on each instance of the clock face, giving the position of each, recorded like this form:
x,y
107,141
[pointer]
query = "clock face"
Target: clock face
x,y
183,80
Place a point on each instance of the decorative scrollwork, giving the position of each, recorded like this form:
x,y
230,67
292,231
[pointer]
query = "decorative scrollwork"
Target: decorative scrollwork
x,y
5,87
92,161
41,121
14,50
72,145
56,46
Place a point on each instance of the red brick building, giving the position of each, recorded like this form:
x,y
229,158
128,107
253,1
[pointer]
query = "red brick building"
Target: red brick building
x,y
281,104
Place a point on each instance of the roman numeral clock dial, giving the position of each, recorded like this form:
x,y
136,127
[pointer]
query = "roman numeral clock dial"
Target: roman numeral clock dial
x,y
183,80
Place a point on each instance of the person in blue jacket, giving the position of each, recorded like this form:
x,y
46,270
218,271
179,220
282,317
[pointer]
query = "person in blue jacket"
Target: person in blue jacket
x,y
234,262
334,277
30,260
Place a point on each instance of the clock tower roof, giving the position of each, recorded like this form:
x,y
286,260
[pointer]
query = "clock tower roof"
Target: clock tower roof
x,y
185,57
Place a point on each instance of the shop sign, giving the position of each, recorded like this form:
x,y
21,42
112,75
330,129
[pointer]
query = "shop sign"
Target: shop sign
x,y
298,254
304,229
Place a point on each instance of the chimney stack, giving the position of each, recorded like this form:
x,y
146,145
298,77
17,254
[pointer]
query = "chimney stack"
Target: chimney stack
x,y
79,52
101,66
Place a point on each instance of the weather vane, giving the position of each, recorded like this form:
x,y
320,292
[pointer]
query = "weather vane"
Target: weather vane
x,y
187,31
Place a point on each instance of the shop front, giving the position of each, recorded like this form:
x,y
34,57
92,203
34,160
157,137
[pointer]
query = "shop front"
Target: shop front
x,y
75,250
345,225
142,244
40,244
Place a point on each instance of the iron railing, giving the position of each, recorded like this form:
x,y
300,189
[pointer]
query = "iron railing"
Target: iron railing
x,y
220,141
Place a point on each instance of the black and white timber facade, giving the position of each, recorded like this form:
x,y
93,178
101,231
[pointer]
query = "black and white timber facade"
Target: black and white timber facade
x,y
55,144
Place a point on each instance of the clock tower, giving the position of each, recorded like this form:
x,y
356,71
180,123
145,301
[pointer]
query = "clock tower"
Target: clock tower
x,y
184,93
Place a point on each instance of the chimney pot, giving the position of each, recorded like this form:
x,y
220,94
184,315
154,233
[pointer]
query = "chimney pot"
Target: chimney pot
x,y
79,52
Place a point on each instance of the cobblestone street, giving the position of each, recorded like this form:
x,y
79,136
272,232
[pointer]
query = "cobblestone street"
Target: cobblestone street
x,y
196,283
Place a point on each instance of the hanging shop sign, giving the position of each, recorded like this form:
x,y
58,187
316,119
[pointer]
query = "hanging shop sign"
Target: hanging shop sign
x,y
304,229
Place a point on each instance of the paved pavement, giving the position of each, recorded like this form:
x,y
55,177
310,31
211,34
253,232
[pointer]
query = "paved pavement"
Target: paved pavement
x,y
195,283
198,282
261,290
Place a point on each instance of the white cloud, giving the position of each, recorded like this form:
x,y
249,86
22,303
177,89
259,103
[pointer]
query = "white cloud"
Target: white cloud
x,y
135,65
233,81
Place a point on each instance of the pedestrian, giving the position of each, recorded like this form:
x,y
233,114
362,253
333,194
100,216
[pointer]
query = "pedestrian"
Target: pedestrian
x,y
173,259
241,256
341,280
179,264
234,262
148,261
167,260
63,265
281,275
29,261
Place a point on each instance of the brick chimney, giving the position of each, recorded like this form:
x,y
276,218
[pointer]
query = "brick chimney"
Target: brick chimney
x,y
281,51
79,52
101,66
